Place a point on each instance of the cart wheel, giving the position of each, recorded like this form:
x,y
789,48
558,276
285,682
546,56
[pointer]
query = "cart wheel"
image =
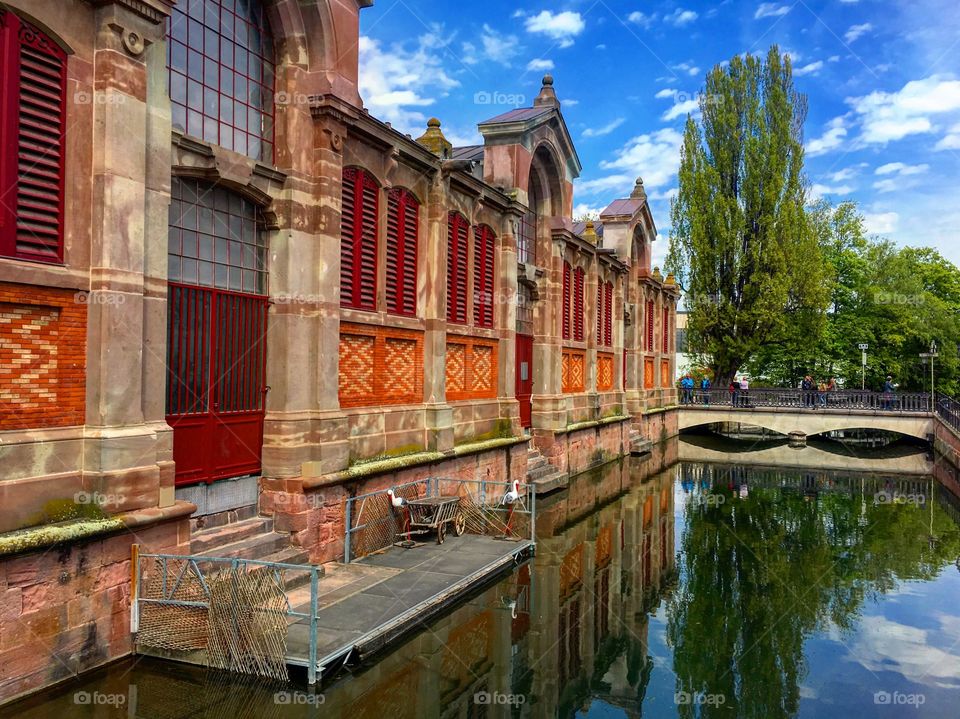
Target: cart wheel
x,y
441,532
459,524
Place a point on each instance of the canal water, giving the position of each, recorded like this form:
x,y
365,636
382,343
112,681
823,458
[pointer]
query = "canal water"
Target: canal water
x,y
660,589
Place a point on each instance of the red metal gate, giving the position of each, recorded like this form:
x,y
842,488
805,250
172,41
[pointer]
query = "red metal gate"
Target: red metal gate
x,y
216,370
525,378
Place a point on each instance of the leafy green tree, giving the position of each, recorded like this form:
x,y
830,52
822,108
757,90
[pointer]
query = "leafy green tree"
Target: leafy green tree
x,y
741,246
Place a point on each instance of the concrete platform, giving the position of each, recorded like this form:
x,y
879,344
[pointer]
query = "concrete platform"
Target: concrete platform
x,y
366,605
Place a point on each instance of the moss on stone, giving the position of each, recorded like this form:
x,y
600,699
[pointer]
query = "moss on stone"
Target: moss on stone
x,y
503,429
401,451
47,535
493,443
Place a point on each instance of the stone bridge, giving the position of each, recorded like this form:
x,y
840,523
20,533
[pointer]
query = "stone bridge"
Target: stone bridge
x,y
803,414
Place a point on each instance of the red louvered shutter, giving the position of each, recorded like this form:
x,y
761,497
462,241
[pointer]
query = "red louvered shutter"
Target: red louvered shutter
x,y
402,227
457,228
608,314
483,239
650,325
566,301
358,240
578,305
33,90
666,330
600,314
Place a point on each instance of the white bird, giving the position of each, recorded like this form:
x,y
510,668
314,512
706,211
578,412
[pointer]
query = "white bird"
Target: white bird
x,y
513,494
395,501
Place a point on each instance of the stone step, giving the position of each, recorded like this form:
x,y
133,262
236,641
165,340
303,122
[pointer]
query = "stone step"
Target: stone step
x,y
539,472
551,482
255,547
210,541
221,519
292,555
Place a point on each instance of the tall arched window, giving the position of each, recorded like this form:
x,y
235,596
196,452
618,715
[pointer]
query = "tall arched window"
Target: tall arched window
x,y
578,287
567,282
33,86
457,254
221,60
403,212
483,277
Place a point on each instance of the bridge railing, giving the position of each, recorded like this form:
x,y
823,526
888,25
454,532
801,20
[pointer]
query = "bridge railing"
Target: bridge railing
x,y
949,410
797,399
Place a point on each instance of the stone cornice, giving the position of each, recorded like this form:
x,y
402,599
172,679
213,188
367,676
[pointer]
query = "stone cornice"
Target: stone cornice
x,y
156,11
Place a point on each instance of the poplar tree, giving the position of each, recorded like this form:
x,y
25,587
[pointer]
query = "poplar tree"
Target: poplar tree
x,y
740,245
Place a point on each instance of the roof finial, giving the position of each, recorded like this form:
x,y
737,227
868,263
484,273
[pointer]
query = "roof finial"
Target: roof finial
x,y
639,193
548,95
590,233
434,140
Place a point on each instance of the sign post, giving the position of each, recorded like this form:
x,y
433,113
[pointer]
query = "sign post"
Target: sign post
x,y
932,355
863,349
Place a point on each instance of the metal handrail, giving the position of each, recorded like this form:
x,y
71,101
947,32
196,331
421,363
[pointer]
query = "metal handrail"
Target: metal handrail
x,y
948,409
812,400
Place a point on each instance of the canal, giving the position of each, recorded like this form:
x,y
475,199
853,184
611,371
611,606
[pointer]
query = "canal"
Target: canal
x,y
661,588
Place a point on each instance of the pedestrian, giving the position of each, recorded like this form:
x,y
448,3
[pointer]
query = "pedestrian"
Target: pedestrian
x,y
822,394
889,394
686,384
735,392
831,388
705,389
745,391
806,388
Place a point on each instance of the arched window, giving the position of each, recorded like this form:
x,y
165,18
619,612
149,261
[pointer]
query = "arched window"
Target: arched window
x,y
221,60
217,239
483,277
567,281
33,86
457,232
403,212
578,277
358,240
605,314
650,323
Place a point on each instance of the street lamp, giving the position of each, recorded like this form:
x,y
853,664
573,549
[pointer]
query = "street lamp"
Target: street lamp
x,y
863,348
931,355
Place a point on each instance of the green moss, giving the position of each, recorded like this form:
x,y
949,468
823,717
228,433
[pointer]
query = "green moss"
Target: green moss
x,y
51,534
503,429
401,451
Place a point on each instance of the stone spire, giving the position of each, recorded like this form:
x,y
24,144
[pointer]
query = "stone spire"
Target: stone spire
x,y
590,233
639,193
547,96
434,140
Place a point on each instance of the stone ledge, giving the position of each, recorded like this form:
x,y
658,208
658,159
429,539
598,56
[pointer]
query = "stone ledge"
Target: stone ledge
x,y
394,464
76,530
577,426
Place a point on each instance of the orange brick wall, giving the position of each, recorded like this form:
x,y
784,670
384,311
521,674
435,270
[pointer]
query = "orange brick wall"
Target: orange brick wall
x,y
43,340
380,365
471,368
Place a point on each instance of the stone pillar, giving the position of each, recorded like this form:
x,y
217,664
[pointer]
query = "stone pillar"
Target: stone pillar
x,y
505,317
128,447
549,404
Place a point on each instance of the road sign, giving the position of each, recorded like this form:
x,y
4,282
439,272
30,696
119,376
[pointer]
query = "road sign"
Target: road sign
x,y
864,346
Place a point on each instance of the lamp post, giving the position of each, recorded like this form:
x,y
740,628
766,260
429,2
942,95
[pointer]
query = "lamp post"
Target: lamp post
x,y
863,348
932,355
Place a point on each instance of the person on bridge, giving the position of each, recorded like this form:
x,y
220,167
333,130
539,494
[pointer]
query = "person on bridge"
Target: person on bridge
x,y
705,388
829,387
808,387
735,392
744,392
889,394
686,384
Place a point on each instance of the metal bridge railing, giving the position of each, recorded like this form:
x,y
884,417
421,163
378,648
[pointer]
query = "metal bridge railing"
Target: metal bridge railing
x,y
948,409
372,523
812,400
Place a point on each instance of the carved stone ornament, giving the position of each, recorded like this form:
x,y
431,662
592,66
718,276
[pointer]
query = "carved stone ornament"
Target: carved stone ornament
x,y
133,42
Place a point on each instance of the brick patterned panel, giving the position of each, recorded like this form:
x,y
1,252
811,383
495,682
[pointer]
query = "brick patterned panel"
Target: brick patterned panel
x,y
456,369
605,372
42,357
665,379
401,361
471,368
380,366
604,550
571,571
648,378
573,371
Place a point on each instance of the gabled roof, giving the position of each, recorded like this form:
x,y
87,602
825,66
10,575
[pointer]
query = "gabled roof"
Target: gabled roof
x,y
627,206
469,152
521,114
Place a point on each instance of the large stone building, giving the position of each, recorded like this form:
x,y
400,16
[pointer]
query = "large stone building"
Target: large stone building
x,y
226,289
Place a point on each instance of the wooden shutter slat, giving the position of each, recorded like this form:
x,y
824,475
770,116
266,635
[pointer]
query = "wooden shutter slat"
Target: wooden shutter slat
x,y
566,300
578,305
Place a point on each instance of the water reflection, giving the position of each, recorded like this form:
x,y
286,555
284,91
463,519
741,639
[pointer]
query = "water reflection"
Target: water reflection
x,y
659,589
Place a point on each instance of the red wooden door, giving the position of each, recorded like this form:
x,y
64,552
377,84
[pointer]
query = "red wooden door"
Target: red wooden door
x,y
216,367
525,378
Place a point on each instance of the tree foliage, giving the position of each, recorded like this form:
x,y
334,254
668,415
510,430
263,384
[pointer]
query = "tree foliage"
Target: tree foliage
x,y
741,246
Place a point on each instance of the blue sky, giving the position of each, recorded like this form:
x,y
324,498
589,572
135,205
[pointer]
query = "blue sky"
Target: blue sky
x,y
883,80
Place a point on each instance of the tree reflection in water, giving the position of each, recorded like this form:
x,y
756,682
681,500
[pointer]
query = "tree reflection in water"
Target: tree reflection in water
x,y
766,558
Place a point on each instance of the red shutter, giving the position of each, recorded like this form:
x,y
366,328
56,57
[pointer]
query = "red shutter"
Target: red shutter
x,y
578,305
483,239
358,240
457,268
650,325
600,313
33,90
402,230
608,314
566,301
666,330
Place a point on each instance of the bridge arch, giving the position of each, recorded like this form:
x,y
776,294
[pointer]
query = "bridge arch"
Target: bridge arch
x,y
917,425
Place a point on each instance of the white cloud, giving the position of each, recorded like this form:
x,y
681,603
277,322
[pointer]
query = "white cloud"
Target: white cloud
x,y
890,116
847,173
833,58
901,169
818,190
665,93
396,82
831,139
494,46
641,19
950,141
810,69
687,67
681,17
681,109
539,65
605,130
655,156
584,209
562,27
769,9
609,183
570,103
856,31
883,645
881,223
